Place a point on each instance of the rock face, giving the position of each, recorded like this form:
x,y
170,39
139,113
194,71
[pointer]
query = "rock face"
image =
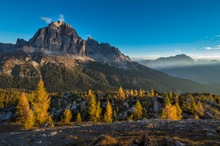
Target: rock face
x,y
157,107
104,52
59,37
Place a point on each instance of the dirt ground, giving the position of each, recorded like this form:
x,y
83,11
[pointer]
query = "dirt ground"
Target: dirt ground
x,y
157,132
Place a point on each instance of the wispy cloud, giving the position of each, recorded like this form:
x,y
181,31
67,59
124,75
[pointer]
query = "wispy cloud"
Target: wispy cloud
x,y
178,51
213,48
61,18
89,35
46,19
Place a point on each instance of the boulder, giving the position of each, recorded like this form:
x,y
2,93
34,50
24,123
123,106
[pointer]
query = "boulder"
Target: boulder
x,y
157,107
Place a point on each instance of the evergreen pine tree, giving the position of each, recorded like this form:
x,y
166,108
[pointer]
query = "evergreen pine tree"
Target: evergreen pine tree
x,y
108,113
41,104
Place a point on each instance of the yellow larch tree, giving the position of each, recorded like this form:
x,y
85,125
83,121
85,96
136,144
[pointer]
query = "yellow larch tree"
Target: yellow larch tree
x,y
152,93
121,93
108,113
169,111
78,118
193,106
178,109
98,112
25,114
131,92
67,116
135,92
138,111
41,104
200,109
92,106
141,93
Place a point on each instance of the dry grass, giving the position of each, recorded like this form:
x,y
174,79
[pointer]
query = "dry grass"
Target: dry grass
x,y
108,140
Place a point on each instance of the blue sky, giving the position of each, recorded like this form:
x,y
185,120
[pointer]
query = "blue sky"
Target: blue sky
x,y
139,28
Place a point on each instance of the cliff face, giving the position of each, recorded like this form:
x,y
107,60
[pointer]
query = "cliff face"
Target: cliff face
x,y
59,37
104,52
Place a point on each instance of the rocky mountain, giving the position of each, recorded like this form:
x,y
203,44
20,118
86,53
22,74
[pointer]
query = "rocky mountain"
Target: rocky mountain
x,y
67,62
172,61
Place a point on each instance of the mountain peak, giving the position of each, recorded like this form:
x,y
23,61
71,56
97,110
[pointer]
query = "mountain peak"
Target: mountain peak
x,y
59,37
60,23
179,57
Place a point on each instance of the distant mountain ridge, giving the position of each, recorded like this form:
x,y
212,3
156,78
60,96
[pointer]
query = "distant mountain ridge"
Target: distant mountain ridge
x,y
67,62
172,61
183,66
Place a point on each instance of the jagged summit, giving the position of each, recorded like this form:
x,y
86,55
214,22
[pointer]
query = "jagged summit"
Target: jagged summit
x,y
59,37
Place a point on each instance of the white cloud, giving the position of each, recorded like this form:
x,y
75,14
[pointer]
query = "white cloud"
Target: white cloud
x,y
178,51
61,18
89,35
46,19
213,48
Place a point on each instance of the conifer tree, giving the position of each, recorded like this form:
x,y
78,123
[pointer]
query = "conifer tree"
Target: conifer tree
x,y
170,95
78,118
92,106
131,92
152,93
141,93
167,101
200,109
127,93
138,111
108,113
169,111
121,93
29,122
67,116
25,114
135,93
41,104
98,112
178,109
114,115
193,106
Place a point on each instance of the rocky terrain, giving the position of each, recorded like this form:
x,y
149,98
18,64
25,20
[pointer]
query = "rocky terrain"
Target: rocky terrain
x,y
151,132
